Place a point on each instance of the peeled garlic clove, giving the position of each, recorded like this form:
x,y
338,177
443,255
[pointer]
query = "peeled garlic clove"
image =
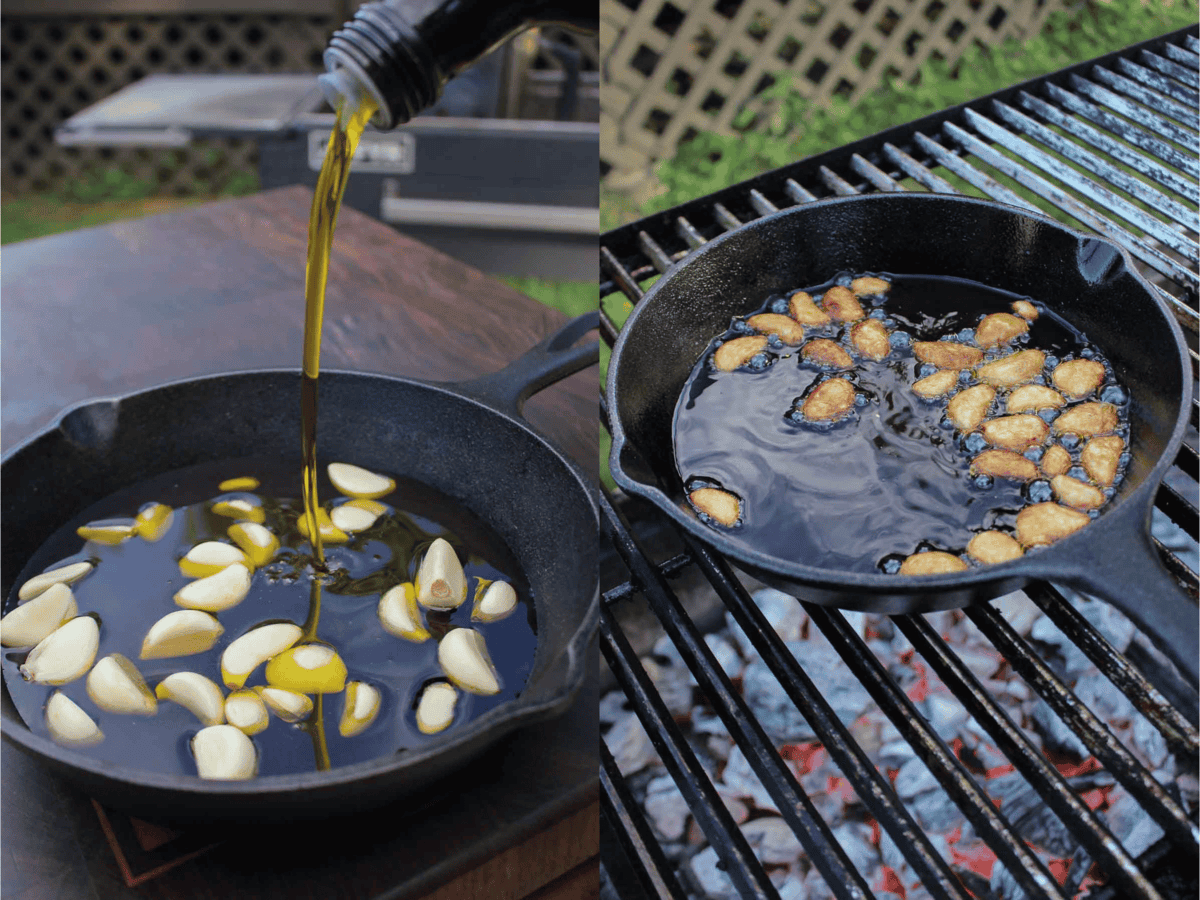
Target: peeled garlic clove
x,y
498,600
224,753
65,654
352,519
247,508
399,614
330,533
34,621
246,711
181,633
109,531
115,684
153,521
255,541
68,724
308,669
62,575
435,709
242,483
287,705
362,706
463,656
218,592
199,695
932,562
357,482
255,647
209,558
441,583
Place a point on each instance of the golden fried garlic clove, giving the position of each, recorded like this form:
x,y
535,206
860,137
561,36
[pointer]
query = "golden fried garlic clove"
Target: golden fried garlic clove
x,y
68,574
932,562
1045,523
991,547
330,533
359,483
255,647
356,515
936,385
1077,494
499,599
241,483
181,633
153,521
400,615
1101,457
1087,419
736,353
947,354
435,709
243,509
870,339
1004,464
1078,377
441,583
999,328
218,592
970,407
1017,368
720,506
200,696
246,711
831,400
1056,460
464,659
308,669
869,286
827,354
65,654
109,532
841,303
1017,432
224,753
32,622
1032,397
210,557
115,685
287,705
255,540
68,724
789,330
361,707
1025,310
802,308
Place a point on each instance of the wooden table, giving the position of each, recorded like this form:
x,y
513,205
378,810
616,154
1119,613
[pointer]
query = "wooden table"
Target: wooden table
x,y
218,288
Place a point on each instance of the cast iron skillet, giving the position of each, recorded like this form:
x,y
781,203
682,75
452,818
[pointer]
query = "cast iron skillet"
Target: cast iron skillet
x,y
1089,281
467,440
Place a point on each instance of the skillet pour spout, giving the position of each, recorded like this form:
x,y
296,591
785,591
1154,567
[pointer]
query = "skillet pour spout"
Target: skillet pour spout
x,y
1088,281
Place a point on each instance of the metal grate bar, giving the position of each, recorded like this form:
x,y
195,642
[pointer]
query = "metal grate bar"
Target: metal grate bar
x,y
657,255
669,569
916,171
1176,567
1136,188
835,182
1012,742
633,831
714,819
1115,758
761,204
1179,509
1027,870
1137,113
793,803
947,159
797,193
870,787
1180,734
1102,196
1173,156
624,281
725,218
1171,69
1158,82
1073,207
1135,91
878,178
1143,164
1188,461
1180,55
688,232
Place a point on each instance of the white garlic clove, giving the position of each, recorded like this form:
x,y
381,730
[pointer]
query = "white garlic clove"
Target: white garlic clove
x,y
110,531
199,695
68,574
244,508
34,621
356,515
210,557
498,600
115,685
287,705
441,583
464,659
359,483
68,724
245,710
360,710
330,533
181,633
308,669
224,753
255,540
255,647
241,483
153,521
400,615
218,592
65,654
435,709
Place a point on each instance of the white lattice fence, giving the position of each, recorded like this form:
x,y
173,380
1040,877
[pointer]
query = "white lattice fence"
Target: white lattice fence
x,y
673,67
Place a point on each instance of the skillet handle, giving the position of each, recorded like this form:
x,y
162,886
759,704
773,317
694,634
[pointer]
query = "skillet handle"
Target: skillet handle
x,y
544,364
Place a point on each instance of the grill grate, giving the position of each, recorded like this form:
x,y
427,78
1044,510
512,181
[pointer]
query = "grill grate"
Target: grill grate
x,y
1112,145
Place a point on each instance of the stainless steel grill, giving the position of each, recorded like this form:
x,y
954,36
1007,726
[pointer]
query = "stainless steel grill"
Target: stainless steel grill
x,y
1113,145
